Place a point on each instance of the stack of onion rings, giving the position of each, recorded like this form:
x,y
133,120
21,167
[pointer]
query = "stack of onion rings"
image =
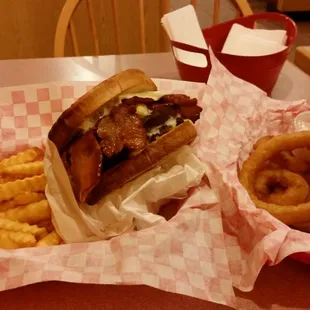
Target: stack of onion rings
x,y
274,173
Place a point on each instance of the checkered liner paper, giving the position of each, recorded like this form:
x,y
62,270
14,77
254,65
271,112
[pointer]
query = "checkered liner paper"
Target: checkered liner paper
x,y
209,246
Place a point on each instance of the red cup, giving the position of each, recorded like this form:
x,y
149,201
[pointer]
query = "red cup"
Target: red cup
x,y
262,71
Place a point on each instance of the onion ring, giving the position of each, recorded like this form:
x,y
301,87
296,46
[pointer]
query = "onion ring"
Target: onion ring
x,y
294,160
281,187
288,214
269,164
261,141
292,163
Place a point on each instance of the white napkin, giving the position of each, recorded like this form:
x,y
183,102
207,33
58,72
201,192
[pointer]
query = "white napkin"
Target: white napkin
x,y
244,41
134,206
182,26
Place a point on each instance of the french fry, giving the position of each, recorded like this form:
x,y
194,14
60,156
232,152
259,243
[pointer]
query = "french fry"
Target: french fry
x,y
21,171
47,224
11,189
21,200
31,213
51,239
10,225
4,180
14,240
28,197
29,155
7,243
6,205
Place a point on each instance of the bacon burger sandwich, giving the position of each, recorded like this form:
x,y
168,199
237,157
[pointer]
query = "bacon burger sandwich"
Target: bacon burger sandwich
x,y
120,129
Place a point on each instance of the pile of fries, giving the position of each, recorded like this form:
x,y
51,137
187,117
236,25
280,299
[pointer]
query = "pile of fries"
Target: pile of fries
x,y
25,215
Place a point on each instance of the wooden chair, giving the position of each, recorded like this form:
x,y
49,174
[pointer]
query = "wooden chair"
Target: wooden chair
x,y
65,22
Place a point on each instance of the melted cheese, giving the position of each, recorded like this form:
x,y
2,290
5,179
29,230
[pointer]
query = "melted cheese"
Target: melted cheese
x,y
142,110
153,131
156,95
172,122
91,121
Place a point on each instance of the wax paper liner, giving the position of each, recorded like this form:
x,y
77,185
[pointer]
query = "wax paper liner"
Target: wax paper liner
x,y
190,254
185,255
237,115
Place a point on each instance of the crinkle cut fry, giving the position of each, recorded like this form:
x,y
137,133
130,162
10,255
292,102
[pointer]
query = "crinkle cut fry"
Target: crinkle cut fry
x,y
32,213
23,170
51,239
14,240
47,224
11,189
21,200
287,142
26,156
10,225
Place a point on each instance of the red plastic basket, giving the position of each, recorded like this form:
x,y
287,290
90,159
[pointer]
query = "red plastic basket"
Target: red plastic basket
x,y
301,257
262,71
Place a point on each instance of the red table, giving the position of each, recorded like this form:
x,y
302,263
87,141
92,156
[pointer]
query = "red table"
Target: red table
x,y
285,286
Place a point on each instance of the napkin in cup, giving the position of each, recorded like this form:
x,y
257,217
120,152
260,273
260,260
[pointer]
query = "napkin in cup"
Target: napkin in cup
x,y
182,25
243,41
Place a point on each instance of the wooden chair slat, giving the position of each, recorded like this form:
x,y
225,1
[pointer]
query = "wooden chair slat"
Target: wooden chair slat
x,y
216,11
66,23
93,26
164,41
116,26
142,26
73,38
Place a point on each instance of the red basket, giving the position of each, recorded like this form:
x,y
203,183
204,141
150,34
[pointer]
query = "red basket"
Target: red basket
x,y
262,71
301,257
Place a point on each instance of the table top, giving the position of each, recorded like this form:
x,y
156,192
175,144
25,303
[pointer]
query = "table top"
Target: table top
x,y
285,286
292,84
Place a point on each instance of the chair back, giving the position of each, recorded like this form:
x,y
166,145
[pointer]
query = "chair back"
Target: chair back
x,y
66,24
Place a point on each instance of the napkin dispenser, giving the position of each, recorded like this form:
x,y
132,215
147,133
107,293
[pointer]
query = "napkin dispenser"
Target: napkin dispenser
x,y
262,71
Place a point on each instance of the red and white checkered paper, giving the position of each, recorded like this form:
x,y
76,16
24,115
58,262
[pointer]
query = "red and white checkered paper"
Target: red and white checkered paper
x,y
202,251
185,255
239,114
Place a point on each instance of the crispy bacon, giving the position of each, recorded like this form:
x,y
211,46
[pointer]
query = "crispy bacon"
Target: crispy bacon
x,y
86,160
178,99
131,128
137,100
191,112
159,106
109,132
